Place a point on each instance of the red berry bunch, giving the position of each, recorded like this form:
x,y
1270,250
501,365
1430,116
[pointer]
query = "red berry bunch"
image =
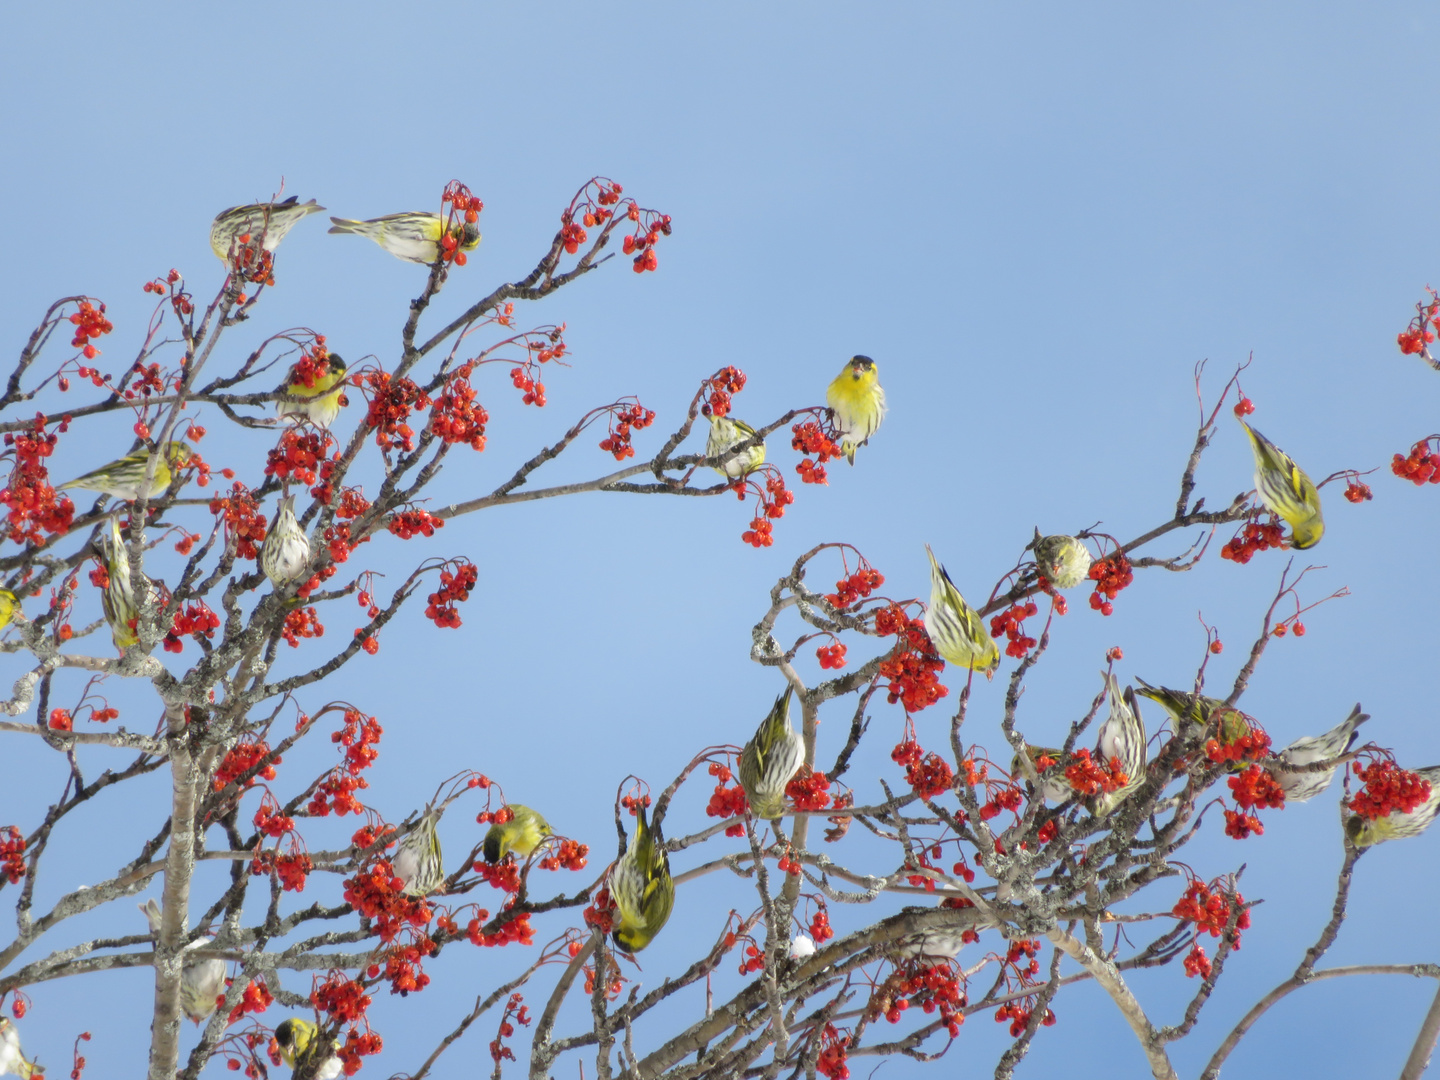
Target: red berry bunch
x,y
340,997
831,1062
179,299
1239,826
913,668
831,656
462,205
772,500
1110,574
623,420
269,821
1234,745
719,388
820,929
850,590
929,774
89,322
1253,536
256,998
725,801
1244,407
498,1050
1010,622
12,854
1196,962
241,758
455,586
391,401
814,442
1209,907
571,854
375,894
313,365
1421,330
810,790
1357,492
245,526
1388,789
290,868
1090,777
1421,465
512,930
34,506
406,523
298,455
1019,1016
336,792
1257,788
455,417
301,623
358,735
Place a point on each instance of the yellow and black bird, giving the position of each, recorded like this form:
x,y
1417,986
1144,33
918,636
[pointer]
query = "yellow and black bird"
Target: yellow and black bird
x,y
124,479
770,759
413,236
956,629
1396,825
857,404
306,1052
268,220
418,861
322,389
1286,490
642,888
523,833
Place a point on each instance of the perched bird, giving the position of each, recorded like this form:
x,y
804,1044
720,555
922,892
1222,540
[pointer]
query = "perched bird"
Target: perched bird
x,y
1063,560
118,599
11,1060
857,404
8,603
1363,832
955,627
418,861
725,432
303,1049
1122,744
770,759
1234,724
1286,490
413,236
522,834
322,393
642,888
1044,767
272,220
201,981
1300,786
285,555
125,478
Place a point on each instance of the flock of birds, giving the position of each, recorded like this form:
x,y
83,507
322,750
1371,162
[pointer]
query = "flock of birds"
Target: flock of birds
x,y
640,882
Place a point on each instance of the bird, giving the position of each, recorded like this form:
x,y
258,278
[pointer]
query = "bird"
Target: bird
x,y
1300,786
413,236
955,627
322,388
1285,490
303,1049
201,981
1122,744
725,432
523,833
1045,771
12,1061
9,603
418,861
1363,832
285,555
857,404
1062,560
642,888
271,220
118,599
770,759
1234,724
125,478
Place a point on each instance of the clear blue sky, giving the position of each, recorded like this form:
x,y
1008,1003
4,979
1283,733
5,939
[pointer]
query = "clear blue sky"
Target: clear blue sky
x,y
1036,220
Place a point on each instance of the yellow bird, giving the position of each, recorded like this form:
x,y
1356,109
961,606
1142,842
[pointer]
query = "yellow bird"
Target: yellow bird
x,y
1395,825
8,603
725,432
11,1059
642,888
322,396
857,404
770,759
123,479
955,628
305,1052
413,236
523,833
1285,490
273,220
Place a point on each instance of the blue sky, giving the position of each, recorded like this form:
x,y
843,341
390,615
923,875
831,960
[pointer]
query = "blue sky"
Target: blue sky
x,y
1037,219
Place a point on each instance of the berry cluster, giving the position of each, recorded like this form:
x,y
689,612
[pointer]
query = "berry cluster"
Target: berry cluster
x,y
455,417
241,759
290,868
12,854
1019,1014
1240,740
1196,962
255,998
623,420
462,205
772,502
299,455
375,894
649,225
1257,788
391,400
1010,622
179,299
912,668
817,446
1421,465
455,586
511,931
1210,908
1421,331
1253,536
808,789
719,388
929,774
1388,789
340,997
1090,777
820,928
270,821
513,1008
245,526
194,620
34,507
571,854
1110,574
90,323
859,585
301,623
831,656
831,1062
725,801
406,523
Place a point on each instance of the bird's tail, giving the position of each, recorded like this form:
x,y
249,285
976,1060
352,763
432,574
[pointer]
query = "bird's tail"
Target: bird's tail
x,y
349,225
